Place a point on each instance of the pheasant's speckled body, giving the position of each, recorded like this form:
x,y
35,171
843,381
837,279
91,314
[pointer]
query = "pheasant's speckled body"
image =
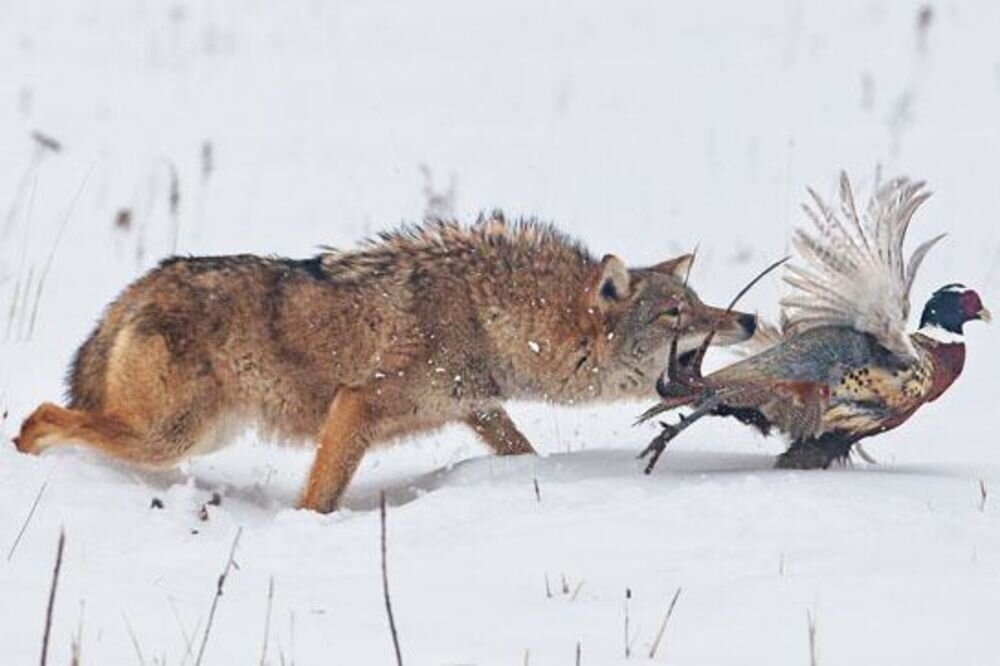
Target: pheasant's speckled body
x,y
829,383
843,368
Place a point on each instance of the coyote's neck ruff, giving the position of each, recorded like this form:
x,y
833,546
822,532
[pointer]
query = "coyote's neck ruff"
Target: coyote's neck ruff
x,y
420,327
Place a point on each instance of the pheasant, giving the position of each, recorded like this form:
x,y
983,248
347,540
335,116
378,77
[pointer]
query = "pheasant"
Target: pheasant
x,y
842,368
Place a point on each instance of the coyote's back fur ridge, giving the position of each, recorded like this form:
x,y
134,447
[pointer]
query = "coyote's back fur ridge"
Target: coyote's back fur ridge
x,y
422,326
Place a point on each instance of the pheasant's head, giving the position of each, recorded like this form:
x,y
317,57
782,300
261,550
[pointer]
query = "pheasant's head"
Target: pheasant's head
x,y
951,306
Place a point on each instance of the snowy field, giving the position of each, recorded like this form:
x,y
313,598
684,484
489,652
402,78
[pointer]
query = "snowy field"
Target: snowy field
x,y
643,127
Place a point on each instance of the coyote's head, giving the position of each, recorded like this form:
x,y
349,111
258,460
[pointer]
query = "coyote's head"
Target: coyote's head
x,y
646,307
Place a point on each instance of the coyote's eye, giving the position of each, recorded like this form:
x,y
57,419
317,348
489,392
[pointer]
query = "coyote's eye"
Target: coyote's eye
x,y
673,311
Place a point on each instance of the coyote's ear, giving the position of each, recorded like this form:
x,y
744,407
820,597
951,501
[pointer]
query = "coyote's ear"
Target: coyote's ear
x,y
678,267
613,282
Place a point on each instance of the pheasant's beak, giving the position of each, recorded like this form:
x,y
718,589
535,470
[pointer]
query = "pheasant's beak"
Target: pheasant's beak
x,y
984,315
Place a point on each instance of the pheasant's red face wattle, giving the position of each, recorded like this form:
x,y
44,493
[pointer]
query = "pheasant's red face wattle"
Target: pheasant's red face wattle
x,y
972,306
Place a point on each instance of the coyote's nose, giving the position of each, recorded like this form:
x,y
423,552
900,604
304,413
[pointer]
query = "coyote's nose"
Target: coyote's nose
x,y
661,387
749,323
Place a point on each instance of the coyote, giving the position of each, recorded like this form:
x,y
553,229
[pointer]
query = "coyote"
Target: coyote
x,y
427,325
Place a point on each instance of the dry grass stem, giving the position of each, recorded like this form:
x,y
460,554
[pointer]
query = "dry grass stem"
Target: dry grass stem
x,y
385,586
267,620
52,597
811,620
55,246
135,641
663,625
218,594
27,520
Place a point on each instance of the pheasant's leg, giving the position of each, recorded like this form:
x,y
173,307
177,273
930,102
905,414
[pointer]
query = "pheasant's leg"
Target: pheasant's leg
x,y
817,453
659,443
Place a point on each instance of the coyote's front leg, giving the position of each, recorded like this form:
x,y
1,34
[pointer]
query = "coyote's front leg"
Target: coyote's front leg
x,y
495,427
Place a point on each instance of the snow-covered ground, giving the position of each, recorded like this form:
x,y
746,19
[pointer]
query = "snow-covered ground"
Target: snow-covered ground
x,y
644,127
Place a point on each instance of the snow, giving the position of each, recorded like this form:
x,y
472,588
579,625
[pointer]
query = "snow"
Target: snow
x,y
645,128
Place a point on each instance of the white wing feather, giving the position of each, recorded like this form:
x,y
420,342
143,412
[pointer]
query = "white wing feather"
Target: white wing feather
x,y
851,269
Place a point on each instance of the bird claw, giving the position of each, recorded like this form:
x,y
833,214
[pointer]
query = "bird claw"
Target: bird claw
x,y
656,447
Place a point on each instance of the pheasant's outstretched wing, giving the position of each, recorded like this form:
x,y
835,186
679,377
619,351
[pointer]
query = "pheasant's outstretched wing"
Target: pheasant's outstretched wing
x,y
851,269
